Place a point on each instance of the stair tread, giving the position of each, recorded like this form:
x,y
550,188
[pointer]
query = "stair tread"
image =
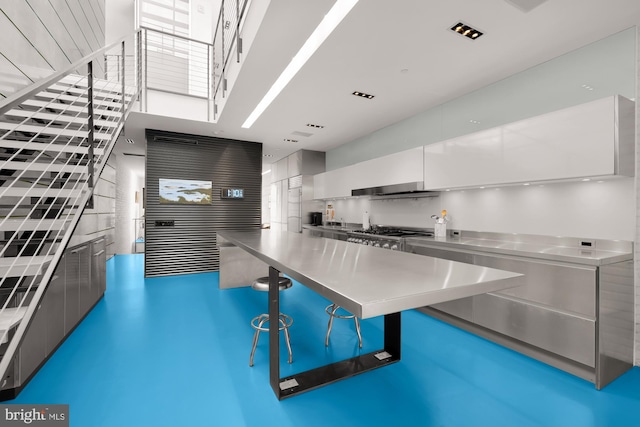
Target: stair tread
x,y
40,146
98,84
22,224
48,130
58,118
112,90
25,260
79,100
41,167
70,108
39,192
24,266
11,316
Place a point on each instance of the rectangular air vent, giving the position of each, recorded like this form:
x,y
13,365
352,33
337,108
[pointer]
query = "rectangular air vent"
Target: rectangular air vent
x,y
298,133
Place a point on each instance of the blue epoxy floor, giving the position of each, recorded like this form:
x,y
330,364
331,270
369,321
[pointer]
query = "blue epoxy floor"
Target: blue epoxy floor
x,y
174,352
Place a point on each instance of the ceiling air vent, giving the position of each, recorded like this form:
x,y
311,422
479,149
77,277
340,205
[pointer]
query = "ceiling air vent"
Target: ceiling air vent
x,y
298,133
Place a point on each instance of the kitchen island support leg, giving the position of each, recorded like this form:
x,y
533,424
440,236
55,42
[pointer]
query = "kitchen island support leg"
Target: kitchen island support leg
x,y
324,375
274,329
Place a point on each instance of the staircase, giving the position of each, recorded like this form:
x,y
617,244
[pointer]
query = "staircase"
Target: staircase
x,y
55,138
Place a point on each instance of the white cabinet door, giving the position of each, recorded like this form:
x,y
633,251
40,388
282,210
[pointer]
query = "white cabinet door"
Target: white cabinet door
x,y
332,184
576,142
320,186
398,168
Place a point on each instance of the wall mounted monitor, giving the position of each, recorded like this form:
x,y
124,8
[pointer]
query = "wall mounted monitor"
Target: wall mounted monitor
x,y
185,192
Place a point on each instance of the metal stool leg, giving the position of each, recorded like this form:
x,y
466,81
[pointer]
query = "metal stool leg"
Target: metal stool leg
x,y
263,319
284,322
286,337
334,308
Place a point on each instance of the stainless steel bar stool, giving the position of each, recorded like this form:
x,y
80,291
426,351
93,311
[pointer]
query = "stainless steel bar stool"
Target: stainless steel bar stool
x,y
258,322
332,311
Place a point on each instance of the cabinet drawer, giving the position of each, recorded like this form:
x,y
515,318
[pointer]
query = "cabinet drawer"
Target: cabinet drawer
x,y
560,286
570,336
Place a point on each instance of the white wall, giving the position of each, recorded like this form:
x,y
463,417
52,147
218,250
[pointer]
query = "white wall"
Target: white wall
x,y
177,106
120,18
599,210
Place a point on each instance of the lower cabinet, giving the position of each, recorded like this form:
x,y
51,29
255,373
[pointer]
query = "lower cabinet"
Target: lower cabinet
x,y
576,317
76,286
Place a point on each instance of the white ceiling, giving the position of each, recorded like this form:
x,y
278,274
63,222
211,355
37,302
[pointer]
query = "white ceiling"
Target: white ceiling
x,y
402,52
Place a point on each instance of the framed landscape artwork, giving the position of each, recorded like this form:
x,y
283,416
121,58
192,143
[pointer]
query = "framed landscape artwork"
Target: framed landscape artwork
x,y
184,192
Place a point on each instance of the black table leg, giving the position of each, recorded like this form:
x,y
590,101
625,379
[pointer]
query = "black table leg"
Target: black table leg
x,y
274,330
318,377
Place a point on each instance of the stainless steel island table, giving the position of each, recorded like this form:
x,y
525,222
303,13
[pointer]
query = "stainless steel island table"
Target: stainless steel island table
x,y
366,281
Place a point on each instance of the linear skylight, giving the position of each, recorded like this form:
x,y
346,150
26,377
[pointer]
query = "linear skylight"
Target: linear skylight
x,y
329,23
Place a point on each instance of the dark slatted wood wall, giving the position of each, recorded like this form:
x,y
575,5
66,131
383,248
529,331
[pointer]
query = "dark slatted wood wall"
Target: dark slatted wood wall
x,y
189,246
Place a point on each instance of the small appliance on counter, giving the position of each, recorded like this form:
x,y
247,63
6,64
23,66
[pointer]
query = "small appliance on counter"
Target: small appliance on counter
x,y
366,224
316,218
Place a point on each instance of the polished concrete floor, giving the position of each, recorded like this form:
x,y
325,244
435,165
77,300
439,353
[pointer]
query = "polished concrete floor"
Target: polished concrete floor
x,y
174,351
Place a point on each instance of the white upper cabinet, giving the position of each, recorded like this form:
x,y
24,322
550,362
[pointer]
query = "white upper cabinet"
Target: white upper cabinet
x,y
398,168
331,184
595,139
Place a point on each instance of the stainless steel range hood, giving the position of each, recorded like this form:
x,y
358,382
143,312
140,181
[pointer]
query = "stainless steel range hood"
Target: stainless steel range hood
x,y
407,189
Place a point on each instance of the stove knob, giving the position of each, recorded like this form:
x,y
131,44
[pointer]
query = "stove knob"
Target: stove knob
x,y
386,246
376,244
365,242
394,247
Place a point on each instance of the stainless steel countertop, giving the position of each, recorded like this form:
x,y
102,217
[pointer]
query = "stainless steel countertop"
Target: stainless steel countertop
x,y
563,249
365,280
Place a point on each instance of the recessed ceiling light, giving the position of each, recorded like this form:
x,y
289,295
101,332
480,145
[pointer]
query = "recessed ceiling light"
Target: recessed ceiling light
x,y
363,95
267,155
467,31
130,141
587,87
475,122
290,140
311,125
329,23
526,183
586,179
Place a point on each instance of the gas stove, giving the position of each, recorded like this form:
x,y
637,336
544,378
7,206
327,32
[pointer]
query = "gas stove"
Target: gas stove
x,y
384,237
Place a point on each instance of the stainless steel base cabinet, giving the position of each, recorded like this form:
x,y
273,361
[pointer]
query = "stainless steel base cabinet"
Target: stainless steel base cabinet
x,y
578,318
78,283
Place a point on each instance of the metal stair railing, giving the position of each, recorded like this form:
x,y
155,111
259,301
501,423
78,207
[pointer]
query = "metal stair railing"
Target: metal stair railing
x,y
55,138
